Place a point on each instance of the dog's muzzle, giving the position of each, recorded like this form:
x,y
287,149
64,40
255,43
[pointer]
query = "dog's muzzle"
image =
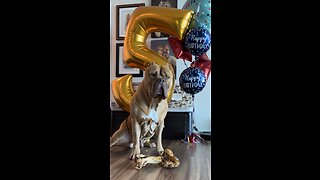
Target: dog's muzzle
x,y
159,88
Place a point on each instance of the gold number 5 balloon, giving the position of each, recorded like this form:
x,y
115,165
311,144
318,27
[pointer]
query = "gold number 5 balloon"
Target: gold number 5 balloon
x,y
143,21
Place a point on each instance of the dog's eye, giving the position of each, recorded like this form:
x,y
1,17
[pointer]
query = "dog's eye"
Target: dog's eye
x,y
154,74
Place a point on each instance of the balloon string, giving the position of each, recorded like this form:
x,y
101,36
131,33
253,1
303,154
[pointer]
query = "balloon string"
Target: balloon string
x,y
185,63
193,110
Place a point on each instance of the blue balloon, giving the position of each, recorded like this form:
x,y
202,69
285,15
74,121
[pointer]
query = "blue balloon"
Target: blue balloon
x,y
192,80
197,41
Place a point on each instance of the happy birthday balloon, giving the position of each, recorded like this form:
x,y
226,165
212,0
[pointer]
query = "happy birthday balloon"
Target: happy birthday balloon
x,y
197,41
192,80
202,10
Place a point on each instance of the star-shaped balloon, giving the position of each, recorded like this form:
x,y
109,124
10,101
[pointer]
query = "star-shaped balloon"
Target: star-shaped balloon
x,y
204,63
178,50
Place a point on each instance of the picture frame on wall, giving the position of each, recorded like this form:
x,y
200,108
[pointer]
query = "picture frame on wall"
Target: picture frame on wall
x,y
164,49
121,67
163,3
123,16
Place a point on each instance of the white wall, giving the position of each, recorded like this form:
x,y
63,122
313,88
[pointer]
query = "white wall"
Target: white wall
x,y
202,99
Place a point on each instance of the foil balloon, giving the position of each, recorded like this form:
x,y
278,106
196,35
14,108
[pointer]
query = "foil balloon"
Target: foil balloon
x,y
192,80
203,63
178,50
143,21
122,91
203,57
202,10
197,41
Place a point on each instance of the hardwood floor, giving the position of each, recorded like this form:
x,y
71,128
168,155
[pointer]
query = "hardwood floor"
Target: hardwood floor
x,y
195,162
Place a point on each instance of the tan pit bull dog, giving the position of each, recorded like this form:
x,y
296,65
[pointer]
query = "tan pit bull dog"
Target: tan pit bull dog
x,y
148,110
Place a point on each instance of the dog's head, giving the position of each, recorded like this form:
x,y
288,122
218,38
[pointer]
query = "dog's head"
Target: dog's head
x,y
159,79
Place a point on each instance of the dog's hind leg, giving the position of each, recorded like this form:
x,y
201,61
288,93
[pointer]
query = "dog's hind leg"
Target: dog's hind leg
x,y
121,136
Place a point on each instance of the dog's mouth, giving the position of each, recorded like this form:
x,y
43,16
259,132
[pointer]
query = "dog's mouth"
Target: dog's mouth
x,y
160,90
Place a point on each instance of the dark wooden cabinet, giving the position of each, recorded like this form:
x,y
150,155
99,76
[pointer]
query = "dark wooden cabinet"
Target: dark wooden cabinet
x,y
116,119
177,122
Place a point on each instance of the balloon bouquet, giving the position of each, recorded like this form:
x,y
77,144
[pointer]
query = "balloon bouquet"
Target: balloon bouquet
x,y
196,42
189,35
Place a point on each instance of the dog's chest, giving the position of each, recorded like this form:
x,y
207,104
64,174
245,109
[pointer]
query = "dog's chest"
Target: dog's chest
x,y
153,114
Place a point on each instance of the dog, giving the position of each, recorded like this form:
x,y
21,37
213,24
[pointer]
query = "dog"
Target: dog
x,y
148,110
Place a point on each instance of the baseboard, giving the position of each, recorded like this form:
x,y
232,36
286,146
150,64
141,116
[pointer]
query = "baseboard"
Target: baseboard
x,y
206,135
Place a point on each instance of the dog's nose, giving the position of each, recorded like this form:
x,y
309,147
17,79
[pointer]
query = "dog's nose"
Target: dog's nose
x,y
160,80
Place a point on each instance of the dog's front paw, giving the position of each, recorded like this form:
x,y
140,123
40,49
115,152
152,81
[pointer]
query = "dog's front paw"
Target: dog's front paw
x,y
160,151
134,155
